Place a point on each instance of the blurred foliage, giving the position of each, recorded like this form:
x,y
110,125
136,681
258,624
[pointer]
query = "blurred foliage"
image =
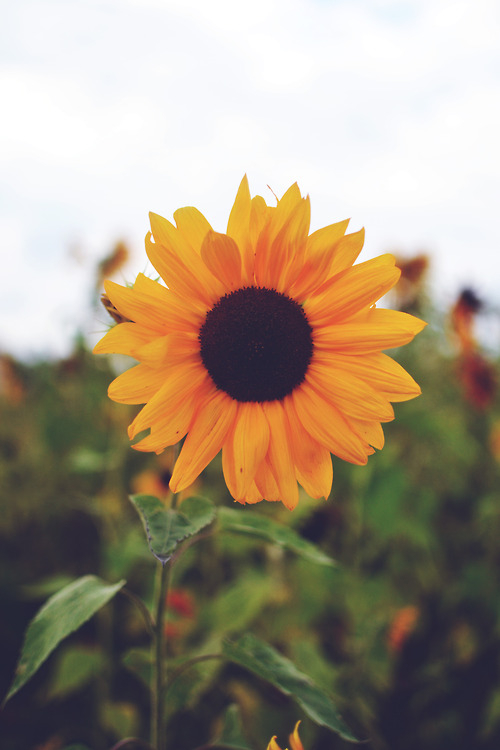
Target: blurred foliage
x,y
403,633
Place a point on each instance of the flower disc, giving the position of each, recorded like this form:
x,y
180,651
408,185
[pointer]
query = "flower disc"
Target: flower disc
x,y
256,344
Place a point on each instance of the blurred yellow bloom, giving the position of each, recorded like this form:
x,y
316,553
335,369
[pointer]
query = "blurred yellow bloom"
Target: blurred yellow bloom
x,y
294,739
264,343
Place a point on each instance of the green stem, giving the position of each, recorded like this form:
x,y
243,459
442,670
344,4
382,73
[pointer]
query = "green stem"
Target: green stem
x,y
162,583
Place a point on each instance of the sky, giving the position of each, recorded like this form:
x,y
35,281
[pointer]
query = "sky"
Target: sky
x,y
384,111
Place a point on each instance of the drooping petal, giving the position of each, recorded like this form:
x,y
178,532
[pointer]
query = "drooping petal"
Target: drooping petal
x,y
280,453
205,439
245,448
313,463
266,483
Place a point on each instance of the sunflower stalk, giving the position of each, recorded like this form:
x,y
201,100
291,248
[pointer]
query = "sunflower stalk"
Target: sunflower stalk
x,y
159,646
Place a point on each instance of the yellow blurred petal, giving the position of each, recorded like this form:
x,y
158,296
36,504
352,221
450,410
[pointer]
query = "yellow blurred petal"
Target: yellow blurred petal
x,y
205,439
295,742
222,257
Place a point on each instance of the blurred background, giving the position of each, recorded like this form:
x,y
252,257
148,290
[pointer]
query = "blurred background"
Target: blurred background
x,y
386,112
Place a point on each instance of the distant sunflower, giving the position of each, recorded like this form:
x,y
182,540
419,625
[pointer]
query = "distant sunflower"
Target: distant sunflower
x,y
265,343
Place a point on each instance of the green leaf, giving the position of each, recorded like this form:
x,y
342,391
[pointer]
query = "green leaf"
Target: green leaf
x,y
231,737
62,614
251,524
165,528
267,663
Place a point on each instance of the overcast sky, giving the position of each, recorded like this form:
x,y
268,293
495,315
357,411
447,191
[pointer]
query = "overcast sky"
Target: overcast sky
x,y
386,112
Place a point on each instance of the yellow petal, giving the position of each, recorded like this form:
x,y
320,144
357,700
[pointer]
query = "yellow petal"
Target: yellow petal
x,y
347,250
349,292
266,483
326,425
167,351
320,250
351,395
238,227
313,463
136,386
192,225
206,437
295,742
149,311
370,432
273,745
276,254
187,277
222,257
124,338
280,454
245,448
178,384
371,331
326,238
174,421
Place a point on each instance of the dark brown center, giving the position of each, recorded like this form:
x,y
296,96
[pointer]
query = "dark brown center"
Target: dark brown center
x,y
256,344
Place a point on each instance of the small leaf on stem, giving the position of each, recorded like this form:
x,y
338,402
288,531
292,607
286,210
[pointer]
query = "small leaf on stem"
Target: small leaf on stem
x,y
165,527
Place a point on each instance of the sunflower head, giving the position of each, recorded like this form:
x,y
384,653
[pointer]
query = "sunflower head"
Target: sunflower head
x,y
263,342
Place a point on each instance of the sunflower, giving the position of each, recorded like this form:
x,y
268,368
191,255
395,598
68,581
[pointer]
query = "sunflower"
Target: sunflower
x,y
295,743
264,342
